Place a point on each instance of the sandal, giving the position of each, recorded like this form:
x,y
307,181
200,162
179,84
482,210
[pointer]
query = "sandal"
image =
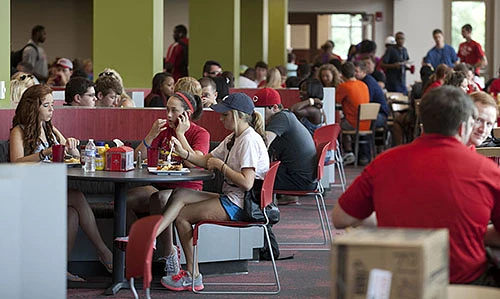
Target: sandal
x,y
74,277
107,265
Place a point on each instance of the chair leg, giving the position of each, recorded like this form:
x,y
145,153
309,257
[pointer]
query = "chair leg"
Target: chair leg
x,y
327,220
132,288
356,150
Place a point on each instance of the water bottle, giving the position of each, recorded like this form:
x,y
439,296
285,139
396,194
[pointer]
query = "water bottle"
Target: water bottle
x,y
90,152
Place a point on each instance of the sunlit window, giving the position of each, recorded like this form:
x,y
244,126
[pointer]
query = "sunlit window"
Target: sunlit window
x,y
346,29
468,12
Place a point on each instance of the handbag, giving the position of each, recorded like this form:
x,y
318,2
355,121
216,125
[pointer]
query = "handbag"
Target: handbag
x,y
251,206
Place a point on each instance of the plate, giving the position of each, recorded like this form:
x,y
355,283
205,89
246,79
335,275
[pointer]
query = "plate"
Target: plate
x,y
183,171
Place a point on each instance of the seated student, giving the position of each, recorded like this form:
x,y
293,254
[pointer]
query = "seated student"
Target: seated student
x,y
18,84
108,90
487,112
241,157
437,79
310,108
208,92
80,92
457,79
247,79
124,100
162,89
182,109
376,93
289,142
273,79
31,139
443,192
260,73
329,75
63,69
189,85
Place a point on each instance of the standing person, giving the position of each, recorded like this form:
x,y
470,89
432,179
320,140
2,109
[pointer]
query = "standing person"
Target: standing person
x,y
395,64
432,163
241,157
289,142
162,89
182,109
470,51
176,60
36,56
326,54
31,140
440,53
80,92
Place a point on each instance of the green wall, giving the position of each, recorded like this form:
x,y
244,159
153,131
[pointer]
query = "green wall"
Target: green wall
x,y
254,31
128,37
214,34
278,19
5,50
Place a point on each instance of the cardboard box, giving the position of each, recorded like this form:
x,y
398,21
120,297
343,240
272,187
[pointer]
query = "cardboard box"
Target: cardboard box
x,y
390,263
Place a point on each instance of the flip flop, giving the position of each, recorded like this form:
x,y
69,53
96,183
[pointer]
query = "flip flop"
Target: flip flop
x,y
107,265
74,277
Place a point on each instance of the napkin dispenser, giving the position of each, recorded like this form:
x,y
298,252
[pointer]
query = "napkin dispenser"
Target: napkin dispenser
x,y
120,159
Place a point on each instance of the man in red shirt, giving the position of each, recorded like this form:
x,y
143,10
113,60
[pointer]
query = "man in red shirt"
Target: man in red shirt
x,y
470,51
176,60
434,182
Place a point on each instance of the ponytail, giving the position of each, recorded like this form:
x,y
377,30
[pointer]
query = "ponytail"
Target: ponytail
x,y
257,124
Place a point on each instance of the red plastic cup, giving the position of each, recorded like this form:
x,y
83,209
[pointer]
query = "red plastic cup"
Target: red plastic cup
x,y
153,156
412,68
58,153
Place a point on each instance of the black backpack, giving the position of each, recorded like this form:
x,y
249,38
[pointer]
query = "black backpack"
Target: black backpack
x,y
17,56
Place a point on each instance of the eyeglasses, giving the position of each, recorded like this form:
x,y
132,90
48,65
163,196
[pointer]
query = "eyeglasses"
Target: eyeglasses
x,y
25,76
106,74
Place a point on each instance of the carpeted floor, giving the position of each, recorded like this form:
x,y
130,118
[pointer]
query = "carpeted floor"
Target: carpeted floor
x,y
305,276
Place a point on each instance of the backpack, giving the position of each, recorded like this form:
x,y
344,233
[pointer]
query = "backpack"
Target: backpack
x,y
17,56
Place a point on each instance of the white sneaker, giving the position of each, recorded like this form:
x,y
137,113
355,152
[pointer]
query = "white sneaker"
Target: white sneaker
x,y
182,282
172,262
348,158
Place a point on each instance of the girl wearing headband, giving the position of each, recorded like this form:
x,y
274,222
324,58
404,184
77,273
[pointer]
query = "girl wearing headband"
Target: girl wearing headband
x,y
241,157
181,109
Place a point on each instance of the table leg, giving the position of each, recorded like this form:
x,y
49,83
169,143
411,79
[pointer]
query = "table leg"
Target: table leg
x,y
120,207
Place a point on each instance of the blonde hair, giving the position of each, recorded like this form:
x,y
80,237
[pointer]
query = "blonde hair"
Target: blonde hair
x,y
19,82
256,121
189,85
125,100
335,73
274,78
484,98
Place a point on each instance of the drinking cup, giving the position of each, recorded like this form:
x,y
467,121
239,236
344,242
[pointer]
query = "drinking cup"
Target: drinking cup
x,y
58,153
153,156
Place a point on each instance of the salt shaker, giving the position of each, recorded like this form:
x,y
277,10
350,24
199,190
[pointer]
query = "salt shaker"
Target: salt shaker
x,y
139,160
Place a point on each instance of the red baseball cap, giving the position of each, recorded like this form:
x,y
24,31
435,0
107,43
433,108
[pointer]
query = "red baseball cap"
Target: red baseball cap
x,y
266,97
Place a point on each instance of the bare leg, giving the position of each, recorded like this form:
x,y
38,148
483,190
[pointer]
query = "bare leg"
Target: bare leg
x,y
209,209
77,201
157,203
72,231
138,202
181,197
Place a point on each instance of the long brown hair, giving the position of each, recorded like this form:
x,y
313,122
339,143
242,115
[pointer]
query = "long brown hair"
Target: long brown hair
x,y
27,116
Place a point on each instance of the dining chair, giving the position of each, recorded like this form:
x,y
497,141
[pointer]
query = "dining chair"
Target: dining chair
x,y
418,121
496,132
139,251
491,152
266,198
366,112
326,228
330,133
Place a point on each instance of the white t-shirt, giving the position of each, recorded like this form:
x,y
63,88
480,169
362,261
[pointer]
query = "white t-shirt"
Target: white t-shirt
x,y
246,83
248,151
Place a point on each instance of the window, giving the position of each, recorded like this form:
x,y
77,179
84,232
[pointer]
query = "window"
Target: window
x,y
468,12
346,30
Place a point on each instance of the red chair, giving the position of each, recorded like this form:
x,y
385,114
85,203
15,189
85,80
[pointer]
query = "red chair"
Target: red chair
x,y
139,252
330,133
266,197
322,149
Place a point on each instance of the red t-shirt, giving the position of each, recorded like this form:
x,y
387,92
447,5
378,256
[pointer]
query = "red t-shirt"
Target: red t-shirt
x,y
495,87
175,56
197,137
433,85
434,182
470,53
350,94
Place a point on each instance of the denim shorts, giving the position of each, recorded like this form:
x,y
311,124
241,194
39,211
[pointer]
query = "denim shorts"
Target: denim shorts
x,y
234,212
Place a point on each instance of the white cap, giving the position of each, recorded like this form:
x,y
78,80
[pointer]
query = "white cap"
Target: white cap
x,y
390,40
